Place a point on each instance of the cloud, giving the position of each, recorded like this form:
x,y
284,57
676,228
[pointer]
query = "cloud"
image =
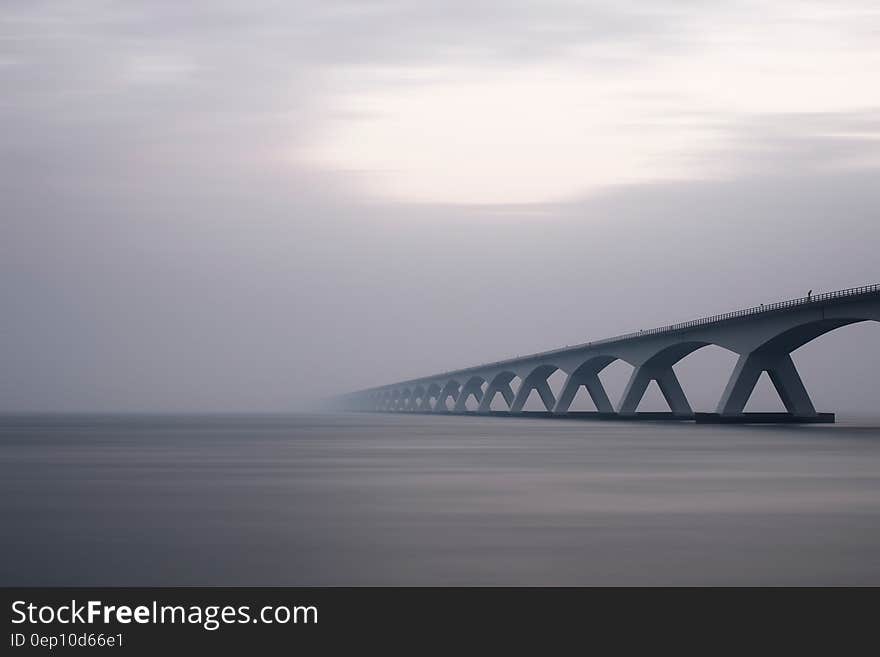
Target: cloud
x,y
805,143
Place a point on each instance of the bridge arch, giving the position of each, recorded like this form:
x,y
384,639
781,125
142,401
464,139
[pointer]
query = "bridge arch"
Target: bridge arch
x,y
431,393
473,387
418,396
450,389
405,397
499,384
587,375
773,356
393,399
536,379
797,336
658,367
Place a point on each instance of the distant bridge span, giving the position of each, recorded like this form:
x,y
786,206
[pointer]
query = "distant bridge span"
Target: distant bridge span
x,y
763,337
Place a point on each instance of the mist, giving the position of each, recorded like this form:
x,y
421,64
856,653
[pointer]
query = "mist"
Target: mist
x,y
169,245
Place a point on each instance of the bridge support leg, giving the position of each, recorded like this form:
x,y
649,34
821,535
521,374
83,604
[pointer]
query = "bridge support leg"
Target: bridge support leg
x,y
525,390
506,392
669,386
790,387
593,385
461,402
784,376
440,405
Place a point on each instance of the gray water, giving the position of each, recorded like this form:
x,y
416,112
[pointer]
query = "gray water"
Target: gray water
x,y
405,500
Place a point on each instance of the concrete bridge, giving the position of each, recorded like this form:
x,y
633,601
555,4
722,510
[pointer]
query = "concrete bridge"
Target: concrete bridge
x,y
763,337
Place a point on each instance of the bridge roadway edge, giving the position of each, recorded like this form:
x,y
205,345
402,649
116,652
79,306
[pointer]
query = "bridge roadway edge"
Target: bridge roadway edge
x,y
640,416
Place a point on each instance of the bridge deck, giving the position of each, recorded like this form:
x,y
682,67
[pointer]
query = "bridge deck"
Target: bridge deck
x,y
763,309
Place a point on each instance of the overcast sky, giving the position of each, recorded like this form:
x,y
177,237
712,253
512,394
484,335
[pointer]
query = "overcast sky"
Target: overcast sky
x,y
247,205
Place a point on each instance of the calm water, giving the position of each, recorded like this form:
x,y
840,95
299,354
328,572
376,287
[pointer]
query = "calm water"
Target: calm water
x,y
384,499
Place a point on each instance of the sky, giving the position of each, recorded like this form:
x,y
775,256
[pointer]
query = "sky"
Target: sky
x,y
232,206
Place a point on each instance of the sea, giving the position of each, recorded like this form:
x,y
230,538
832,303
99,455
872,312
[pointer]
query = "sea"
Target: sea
x,y
407,500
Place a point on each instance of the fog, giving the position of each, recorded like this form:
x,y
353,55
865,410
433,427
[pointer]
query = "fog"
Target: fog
x,y
170,242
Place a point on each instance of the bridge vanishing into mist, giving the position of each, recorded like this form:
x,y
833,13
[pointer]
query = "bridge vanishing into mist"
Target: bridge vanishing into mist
x,y
763,337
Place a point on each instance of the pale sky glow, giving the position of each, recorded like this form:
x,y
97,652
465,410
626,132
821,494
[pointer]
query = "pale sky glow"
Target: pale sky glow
x,y
530,136
573,124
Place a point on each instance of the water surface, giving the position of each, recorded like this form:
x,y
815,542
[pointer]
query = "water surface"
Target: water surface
x,y
390,499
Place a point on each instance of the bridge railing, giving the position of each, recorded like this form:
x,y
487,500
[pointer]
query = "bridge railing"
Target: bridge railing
x,y
671,328
754,310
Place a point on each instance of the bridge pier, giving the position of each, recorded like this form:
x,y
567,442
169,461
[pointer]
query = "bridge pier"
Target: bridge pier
x,y
591,381
537,380
473,387
783,374
669,386
494,388
431,392
451,389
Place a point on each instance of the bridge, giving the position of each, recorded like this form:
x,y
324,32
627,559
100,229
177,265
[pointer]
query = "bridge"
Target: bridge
x,y
763,337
